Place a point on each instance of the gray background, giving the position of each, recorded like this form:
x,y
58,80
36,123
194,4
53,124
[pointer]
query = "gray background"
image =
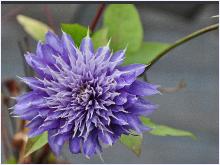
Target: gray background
x,y
194,108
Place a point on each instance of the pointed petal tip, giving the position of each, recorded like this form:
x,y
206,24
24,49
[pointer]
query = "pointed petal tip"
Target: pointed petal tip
x,y
62,30
15,116
110,144
27,53
11,108
126,48
87,157
148,64
145,65
11,113
142,65
88,32
14,98
48,35
20,78
64,33
109,41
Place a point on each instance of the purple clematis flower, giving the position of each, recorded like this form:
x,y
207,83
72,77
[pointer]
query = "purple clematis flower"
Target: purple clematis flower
x,y
83,96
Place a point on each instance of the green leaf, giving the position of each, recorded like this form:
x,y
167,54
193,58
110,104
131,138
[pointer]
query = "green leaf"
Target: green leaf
x,y
100,38
11,160
33,27
135,142
36,143
132,142
76,31
124,26
146,54
162,130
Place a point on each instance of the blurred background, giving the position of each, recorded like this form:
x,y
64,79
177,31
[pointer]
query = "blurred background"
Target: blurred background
x,y
194,108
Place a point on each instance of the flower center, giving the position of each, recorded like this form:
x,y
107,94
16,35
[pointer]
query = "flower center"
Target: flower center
x,y
85,95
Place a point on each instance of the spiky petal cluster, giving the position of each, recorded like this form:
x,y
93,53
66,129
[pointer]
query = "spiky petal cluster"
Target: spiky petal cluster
x,y
82,96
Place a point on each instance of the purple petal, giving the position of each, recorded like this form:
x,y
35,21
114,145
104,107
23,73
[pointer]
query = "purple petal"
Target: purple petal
x,y
34,101
32,82
35,123
69,45
118,130
48,53
133,68
35,132
32,60
28,115
141,88
121,99
25,96
45,54
48,125
39,52
118,57
43,112
131,99
74,145
61,138
120,118
54,42
54,115
86,45
91,145
67,128
106,138
102,53
136,124
35,63
125,80
140,108
55,147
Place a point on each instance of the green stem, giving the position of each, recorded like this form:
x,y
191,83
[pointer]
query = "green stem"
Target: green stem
x,y
183,40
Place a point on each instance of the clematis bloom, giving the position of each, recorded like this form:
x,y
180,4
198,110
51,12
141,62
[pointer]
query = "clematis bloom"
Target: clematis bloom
x,y
82,96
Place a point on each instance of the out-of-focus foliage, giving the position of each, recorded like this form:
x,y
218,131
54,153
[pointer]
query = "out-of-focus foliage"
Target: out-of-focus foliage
x,y
76,31
163,130
146,54
133,142
11,160
100,38
33,27
36,143
124,26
